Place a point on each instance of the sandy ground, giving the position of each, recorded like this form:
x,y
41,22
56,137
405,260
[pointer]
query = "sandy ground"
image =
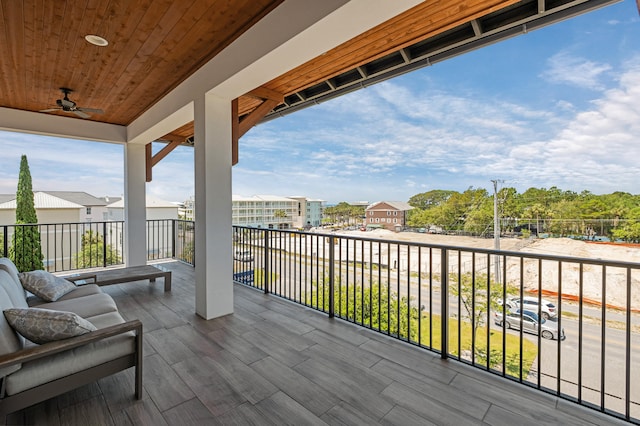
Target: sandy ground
x,y
616,278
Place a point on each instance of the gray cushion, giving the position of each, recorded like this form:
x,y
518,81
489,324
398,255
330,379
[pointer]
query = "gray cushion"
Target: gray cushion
x,y
80,291
45,285
14,289
10,341
44,325
8,265
87,306
53,367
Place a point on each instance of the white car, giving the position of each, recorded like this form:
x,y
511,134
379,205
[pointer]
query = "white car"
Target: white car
x,y
243,256
530,303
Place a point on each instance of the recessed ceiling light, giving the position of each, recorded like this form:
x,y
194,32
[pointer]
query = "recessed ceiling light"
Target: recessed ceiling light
x,y
95,39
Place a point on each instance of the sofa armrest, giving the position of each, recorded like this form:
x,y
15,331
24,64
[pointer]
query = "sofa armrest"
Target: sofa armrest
x,y
44,350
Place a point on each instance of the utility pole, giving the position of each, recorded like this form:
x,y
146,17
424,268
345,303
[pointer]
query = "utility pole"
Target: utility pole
x,y
496,230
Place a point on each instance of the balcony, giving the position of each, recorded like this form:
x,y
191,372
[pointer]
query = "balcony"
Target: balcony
x,y
324,330
276,362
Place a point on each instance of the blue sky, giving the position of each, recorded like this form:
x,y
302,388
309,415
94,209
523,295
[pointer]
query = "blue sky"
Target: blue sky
x,y
559,106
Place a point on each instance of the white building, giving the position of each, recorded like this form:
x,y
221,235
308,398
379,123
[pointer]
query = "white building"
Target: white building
x,y
264,211
157,209
187,209
160,217
309,212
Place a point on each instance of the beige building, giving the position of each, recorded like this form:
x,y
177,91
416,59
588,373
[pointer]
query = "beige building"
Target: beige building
x,y
57,207
62,219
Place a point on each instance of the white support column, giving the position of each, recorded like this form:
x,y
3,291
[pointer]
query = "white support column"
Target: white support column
x,y
135,205
214,265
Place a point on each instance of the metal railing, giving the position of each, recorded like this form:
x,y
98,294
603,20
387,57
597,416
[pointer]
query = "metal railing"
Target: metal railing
x,y
67,246
460,302
82,245
463,303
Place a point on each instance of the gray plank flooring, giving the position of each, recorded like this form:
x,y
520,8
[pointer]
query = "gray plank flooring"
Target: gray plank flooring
x,y
276,363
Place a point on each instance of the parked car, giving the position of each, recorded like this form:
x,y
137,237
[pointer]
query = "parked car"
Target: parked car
x,y
243,256
530,303
529,323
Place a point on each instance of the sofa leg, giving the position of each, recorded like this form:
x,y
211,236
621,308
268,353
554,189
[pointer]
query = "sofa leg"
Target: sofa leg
x,y
139,363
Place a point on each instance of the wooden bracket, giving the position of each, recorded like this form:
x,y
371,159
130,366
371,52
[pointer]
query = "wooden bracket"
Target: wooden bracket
x,y
235,128
151,160
239,127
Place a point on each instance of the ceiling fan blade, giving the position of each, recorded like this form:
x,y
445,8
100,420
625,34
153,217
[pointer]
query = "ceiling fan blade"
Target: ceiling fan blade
x,y
50,110
95,111
80,113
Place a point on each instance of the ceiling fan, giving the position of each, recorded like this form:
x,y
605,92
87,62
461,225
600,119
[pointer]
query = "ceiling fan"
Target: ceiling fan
x,y
67,105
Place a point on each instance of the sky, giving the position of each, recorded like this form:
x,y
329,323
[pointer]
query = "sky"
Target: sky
x,y
558,106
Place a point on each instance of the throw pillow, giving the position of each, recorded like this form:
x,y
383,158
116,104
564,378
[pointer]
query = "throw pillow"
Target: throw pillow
x,y
45,285
44,325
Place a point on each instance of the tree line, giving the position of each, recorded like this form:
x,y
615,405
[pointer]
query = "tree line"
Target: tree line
x,y
537,210
344,213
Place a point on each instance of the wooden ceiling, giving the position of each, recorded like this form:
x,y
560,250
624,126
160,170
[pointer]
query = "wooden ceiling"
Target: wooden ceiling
x,y
154,45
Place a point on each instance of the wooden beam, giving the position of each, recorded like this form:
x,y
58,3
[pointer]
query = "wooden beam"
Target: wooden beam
x,y
148,161
235,129
264,93
255,116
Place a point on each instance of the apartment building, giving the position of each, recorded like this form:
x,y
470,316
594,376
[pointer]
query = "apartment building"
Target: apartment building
x,y
264,211
309,213
274,212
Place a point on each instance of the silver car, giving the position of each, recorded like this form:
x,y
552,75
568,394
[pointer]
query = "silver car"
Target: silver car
x,y
530,324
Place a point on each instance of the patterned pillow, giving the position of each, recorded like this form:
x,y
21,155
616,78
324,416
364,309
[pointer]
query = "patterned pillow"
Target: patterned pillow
x,y
45,285
44,325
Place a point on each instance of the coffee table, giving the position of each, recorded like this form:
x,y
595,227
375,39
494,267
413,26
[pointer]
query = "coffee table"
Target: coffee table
x,y
123,275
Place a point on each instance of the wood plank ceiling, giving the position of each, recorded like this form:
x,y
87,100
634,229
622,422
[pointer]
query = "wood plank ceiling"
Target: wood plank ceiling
x,y
153,46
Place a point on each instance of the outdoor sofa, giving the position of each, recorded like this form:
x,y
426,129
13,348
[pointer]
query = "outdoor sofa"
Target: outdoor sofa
x,y
102,343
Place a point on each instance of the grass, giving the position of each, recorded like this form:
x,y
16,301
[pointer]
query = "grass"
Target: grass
x,y
512,342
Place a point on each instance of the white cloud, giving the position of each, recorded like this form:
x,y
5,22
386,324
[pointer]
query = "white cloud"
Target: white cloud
x,y
575,71
598,149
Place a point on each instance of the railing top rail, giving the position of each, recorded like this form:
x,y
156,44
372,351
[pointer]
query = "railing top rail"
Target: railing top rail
x,y
95,222
507,253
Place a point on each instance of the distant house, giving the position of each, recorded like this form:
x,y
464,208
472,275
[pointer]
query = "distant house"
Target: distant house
x,y
156,209
160,216
94,208
391,215
53,208
57,207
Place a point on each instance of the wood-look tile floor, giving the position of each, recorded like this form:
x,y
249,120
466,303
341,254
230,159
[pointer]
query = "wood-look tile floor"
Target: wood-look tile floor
x,y
274,363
